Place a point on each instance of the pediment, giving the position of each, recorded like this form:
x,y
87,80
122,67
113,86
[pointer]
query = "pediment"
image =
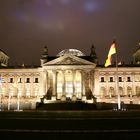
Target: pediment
x,y
68,60
137,53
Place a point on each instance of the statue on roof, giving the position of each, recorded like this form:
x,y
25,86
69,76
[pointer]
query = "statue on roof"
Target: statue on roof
x,y
44,58
46,49
45,52
136,56
92,50
93,54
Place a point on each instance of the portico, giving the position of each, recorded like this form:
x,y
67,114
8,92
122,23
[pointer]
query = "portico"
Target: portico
x,y
67,77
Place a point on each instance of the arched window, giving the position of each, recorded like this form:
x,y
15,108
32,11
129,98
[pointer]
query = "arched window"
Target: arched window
x,y
129,91
102,91
59,83
69,83
36,80
111,92
120,91
28,80
77,83
137,90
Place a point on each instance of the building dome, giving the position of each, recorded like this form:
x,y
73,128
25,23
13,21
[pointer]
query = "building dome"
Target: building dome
x,y
71,52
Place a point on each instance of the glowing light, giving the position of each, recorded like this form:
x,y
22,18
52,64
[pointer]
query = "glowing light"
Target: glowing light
x,y
1,81
71,52
90,6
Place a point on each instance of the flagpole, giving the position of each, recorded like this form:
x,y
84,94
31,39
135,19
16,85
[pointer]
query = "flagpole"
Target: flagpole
x,y
113,50
18,102
117,83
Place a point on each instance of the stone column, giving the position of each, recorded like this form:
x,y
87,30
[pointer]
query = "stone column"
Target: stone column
x,y
107,85
63,98
64,85
54,85
133,85
73,83
47,82
7,85
125,83
32,84
15,85
83,85
23,88
44,82
91,81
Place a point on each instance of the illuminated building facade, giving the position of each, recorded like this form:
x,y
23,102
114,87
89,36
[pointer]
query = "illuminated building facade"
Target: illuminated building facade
x,y
69,76
3,58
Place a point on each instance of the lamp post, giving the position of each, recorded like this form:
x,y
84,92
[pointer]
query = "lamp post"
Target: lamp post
x,y
18,101
9,101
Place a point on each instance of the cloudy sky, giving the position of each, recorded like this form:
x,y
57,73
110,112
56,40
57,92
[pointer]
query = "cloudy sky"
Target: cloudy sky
x,y
26,26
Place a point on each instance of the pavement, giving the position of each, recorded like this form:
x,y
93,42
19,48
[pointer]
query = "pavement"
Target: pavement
x,y
68,124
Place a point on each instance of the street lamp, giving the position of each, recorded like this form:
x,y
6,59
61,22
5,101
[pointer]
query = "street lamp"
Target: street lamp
x,y
18,96
18,101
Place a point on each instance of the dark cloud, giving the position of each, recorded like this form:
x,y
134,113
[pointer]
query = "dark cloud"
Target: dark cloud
x,y
28,25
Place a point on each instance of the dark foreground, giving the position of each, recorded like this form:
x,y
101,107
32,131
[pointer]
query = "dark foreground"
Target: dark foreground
x,y
97,124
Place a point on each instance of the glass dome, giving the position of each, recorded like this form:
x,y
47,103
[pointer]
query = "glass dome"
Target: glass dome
x,y
71,52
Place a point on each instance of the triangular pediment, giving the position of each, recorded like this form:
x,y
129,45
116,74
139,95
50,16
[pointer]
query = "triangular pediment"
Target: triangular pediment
x,y
137,53
136,57
68,60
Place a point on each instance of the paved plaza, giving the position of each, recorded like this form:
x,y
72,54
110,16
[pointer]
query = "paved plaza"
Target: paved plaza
x,y
59,124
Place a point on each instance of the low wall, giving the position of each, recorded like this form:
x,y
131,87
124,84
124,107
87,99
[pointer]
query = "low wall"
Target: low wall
x,y
21,104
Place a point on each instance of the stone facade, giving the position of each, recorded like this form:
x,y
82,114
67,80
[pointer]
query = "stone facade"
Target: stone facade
x,y
67,77
4,58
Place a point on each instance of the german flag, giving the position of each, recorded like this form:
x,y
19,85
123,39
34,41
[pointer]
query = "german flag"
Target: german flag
x,y
111,52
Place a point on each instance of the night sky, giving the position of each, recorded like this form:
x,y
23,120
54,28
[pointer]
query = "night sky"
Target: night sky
x,y
26,26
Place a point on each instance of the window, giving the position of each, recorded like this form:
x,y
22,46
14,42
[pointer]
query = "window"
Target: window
x,y
28,80
111,79
2,80
128,79
36,80
59,87
20,81
77,86
120,79
69,87
102,79
11,80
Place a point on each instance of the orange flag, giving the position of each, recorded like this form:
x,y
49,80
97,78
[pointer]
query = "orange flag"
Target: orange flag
x,y
111,52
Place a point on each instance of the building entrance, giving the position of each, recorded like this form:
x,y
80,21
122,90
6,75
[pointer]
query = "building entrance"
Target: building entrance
x,y
69,89
69,84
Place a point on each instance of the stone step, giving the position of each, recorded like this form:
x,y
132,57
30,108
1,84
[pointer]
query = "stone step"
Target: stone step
x,y
66,106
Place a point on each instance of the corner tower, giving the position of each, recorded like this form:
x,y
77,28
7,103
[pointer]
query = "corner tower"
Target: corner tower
x,y
93,55
44,57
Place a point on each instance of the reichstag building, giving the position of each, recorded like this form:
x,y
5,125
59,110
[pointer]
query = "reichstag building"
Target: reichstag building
x,y
69,76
